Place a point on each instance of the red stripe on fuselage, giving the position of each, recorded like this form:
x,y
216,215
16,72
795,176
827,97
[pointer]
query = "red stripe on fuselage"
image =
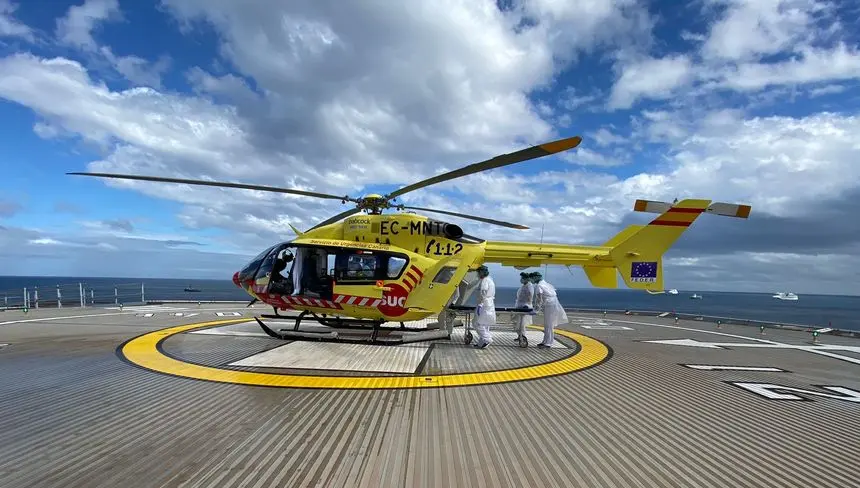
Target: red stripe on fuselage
x,y
670,223
686,210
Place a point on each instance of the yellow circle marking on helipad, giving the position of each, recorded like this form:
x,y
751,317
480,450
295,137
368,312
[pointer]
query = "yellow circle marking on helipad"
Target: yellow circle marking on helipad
x,y
144,352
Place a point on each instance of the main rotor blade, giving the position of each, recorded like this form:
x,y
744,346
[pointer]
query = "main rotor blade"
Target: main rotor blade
x,y
496,162
465,216
344,214
216,183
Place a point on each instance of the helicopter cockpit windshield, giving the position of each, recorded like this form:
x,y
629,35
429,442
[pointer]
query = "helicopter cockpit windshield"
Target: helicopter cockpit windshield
x,y
286,269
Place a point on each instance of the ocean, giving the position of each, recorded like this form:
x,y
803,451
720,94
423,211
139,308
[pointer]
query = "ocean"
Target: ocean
x,y
841,312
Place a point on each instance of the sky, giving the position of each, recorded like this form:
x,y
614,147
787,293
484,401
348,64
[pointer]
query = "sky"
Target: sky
x,y
739,101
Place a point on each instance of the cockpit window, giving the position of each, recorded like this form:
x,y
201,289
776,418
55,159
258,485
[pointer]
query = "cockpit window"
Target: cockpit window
x,y
250,269
268,264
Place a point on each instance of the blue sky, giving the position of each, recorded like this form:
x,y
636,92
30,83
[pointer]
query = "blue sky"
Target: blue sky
x,y
732,100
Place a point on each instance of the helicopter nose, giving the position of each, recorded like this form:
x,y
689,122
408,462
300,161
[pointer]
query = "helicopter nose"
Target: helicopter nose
x,y
236,279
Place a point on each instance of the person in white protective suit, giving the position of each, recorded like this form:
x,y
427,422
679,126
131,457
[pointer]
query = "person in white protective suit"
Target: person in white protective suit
x,y
297,271
525,299
546,300
485,311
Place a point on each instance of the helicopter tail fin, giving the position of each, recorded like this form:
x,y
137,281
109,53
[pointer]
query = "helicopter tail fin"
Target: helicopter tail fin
x,y
637,251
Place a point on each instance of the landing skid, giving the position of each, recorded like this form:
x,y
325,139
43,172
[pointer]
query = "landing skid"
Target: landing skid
x,y
351,330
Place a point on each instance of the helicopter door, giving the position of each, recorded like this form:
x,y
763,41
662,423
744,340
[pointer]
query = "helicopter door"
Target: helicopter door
x,y
432,294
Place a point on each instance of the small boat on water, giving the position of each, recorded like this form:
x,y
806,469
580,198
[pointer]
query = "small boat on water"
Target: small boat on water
x,y
695,296
192,290
786,296
672,291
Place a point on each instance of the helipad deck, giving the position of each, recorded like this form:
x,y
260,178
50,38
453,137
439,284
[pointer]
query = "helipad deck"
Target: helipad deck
x,y
179,396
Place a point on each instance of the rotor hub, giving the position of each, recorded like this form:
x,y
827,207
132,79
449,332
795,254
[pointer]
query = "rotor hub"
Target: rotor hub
x,y
373,203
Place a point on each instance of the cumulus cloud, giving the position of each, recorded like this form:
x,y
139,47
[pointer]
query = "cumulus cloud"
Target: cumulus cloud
x,y
656,78
751,46
80,20
749,29
9,26
343,99
77,29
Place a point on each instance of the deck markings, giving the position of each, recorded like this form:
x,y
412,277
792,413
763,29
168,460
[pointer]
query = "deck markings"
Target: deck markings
x,y
606,327
771,392
127,311
145,351
820,349
596,324
718,367
67,317
145,308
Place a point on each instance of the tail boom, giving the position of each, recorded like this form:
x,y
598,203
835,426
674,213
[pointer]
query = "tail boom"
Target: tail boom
x,y
636,252
532,254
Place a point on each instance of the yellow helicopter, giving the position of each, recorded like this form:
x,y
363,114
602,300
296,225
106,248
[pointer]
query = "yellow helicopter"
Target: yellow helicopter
x,y
373,268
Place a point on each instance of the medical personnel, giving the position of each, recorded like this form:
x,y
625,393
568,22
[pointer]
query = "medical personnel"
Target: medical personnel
x,y
485,311
298,261
546,300
525,299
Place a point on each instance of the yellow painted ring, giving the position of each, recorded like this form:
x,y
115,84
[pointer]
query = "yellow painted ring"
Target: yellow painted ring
x,y
145,351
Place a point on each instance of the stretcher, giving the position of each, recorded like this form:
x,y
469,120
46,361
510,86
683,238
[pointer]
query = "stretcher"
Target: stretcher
x,y
509,320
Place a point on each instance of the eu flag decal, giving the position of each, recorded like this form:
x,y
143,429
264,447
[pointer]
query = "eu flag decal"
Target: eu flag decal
x,y
643,272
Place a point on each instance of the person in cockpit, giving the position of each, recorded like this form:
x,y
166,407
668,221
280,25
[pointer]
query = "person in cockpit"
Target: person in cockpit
x,y
284,258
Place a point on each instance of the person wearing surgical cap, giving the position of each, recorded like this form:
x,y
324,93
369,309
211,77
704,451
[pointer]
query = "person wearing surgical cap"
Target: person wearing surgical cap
x,y
546,299
485,311
525,299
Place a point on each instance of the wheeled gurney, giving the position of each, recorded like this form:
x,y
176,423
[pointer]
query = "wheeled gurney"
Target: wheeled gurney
x,y
509,320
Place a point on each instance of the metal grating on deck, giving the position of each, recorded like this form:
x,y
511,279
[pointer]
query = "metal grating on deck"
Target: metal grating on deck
x,y
340,357
73,415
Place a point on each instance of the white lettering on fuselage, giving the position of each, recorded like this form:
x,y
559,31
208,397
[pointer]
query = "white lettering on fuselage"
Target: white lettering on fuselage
x,y
393,301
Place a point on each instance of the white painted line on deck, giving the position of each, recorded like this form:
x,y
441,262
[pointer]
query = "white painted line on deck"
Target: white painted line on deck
x,y
91,315
606,327
65,317
821,349
716,367
238,333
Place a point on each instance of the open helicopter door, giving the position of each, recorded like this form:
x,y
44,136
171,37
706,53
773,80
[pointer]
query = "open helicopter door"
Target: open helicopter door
x,y
440,280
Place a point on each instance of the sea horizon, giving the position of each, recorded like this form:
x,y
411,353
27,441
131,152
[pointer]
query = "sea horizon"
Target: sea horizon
x,y
811,310
621,287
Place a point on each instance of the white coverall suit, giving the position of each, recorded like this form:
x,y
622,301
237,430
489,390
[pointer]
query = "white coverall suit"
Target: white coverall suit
x,y
525,299
297,271
485,310
553,313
